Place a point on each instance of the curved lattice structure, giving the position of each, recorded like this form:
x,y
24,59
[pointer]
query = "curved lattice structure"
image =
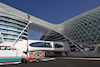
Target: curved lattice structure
x,y
83,29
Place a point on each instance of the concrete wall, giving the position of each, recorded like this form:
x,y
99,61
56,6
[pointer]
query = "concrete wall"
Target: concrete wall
x,y
11,53
66,46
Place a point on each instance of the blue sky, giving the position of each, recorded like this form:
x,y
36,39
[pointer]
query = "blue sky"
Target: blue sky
x,y
53,11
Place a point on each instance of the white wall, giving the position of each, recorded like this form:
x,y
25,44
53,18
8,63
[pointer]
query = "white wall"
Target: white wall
x,y
66,46
11,53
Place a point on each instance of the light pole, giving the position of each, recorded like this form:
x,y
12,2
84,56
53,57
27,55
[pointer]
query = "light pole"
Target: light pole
x,y
27,35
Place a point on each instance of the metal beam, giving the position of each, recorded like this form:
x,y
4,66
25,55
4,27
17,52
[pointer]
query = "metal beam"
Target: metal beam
x,y
79,48
2,39
90,36
75,44
95,49
20,34
72,43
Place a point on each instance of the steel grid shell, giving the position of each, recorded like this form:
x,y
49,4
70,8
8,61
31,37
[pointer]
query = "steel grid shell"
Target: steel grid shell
x,y
83,29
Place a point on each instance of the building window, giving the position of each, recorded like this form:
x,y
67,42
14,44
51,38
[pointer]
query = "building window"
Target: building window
x,y
41,44
58,46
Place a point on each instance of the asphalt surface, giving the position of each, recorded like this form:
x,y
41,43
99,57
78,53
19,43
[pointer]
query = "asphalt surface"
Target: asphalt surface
x,y
60,63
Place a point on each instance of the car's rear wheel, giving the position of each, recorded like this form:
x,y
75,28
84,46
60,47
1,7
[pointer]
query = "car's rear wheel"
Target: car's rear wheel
x,y
37,60
22,60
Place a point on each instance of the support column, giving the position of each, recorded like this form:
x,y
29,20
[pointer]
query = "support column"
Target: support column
x,y
80,49
95,49
2,39
20,34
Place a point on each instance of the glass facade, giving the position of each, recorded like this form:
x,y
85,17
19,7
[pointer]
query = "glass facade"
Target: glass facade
x,y
11,28
54,36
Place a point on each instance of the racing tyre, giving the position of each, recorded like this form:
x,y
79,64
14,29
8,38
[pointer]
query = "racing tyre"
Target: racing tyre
x,y
37,60
22,60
